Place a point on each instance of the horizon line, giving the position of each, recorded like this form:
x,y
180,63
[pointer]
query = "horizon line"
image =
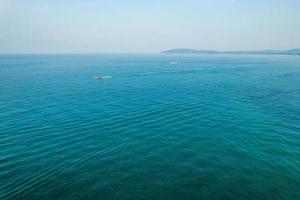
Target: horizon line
x,y
85,53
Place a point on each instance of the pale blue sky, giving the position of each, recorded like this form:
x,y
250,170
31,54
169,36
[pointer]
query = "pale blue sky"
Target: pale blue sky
x,y
133,26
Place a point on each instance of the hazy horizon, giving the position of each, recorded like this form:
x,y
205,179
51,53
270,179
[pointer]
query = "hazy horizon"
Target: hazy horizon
x,y
132,26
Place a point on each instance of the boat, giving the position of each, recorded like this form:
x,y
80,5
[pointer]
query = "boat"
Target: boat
x,y
102,77
98,77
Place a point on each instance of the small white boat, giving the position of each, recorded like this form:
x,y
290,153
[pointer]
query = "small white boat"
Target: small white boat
x,y
102,77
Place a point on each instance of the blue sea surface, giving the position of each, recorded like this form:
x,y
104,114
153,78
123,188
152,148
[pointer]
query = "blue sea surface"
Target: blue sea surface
x,y
162,127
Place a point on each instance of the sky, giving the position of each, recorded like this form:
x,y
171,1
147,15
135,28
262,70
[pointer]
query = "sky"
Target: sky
x,y
147,26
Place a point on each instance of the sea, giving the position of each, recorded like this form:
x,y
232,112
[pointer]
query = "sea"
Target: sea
x,y
152,127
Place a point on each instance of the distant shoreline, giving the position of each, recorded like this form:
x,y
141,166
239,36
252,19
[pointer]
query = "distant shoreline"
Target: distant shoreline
x,y
263,52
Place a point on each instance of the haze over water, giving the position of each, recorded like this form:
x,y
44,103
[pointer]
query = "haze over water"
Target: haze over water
x,y
147,26
162,127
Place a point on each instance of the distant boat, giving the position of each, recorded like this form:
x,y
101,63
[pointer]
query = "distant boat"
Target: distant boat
x,y
102,77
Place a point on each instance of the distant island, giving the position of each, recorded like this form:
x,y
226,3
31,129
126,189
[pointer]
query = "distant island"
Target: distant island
x,y
266,52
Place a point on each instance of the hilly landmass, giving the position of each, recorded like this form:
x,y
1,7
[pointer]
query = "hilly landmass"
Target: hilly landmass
x,y
267,52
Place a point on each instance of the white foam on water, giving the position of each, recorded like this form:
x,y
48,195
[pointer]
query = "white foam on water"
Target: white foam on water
x,y
107,77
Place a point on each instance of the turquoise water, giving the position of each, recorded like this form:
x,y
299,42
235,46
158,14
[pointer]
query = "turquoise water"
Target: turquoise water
x,y
163,127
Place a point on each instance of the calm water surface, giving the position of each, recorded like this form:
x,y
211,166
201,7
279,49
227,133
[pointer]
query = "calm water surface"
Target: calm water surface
x,y
163,127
